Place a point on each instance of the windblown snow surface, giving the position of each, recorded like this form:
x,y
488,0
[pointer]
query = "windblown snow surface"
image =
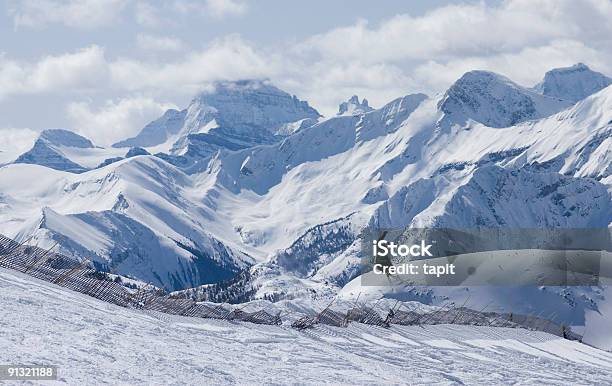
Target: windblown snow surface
x,y
93,342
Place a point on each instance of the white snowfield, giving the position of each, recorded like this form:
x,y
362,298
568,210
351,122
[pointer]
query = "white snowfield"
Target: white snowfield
x,y
93,342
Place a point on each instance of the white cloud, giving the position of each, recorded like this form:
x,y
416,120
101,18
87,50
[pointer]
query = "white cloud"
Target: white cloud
x,y
89,70
159,43
325,84
82,70
72,13
526,66
14,142
466,30
521,39
228,58
115,120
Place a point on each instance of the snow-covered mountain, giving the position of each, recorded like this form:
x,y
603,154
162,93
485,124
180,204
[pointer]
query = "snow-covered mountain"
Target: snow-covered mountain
x,y
572,83
64,150
419,172
49,150
235,115
418,166
249,179
496,101
132,216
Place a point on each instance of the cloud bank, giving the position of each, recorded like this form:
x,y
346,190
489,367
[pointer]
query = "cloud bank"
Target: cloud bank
x,y
404,54
115,120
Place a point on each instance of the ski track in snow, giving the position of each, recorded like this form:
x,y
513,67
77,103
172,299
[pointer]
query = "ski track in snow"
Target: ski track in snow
x,y
94,342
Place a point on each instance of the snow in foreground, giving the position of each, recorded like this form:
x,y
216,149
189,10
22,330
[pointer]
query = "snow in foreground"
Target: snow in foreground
x,y
94,342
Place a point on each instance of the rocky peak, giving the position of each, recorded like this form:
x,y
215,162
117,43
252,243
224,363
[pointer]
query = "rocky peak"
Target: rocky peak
x,y
249,103
354,107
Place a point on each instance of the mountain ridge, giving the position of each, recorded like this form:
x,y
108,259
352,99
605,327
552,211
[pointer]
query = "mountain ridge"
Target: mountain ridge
x,y
245,205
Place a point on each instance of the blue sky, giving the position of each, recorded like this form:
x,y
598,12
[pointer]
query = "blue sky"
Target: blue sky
x,y
107,67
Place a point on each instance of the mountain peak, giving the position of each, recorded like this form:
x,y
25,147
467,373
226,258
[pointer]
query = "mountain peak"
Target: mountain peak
x,y
572,83
250,103
48,150
495,100
232,115
61,137
353,107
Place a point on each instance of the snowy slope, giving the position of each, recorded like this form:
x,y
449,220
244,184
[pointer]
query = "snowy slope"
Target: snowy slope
x,y
158,131
94,342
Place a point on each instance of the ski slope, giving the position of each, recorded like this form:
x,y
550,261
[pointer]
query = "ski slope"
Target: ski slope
x,y
93,342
